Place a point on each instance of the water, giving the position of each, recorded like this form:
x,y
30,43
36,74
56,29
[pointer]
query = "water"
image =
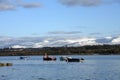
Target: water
x,y
97,67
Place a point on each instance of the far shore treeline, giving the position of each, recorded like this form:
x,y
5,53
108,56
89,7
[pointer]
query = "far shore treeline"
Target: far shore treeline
x,y
65,50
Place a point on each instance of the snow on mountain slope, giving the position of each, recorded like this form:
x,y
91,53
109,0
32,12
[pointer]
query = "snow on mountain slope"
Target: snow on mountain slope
x,y
37,42
116,40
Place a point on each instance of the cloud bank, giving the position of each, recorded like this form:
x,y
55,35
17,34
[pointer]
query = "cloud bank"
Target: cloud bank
x,y
31,5
87,3
64,32
14,4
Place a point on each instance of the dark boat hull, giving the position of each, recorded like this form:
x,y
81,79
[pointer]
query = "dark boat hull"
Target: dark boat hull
x,y
72,60
49,59
22,57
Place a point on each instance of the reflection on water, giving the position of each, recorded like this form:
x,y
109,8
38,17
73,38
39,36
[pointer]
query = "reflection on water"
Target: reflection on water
x,y
93,68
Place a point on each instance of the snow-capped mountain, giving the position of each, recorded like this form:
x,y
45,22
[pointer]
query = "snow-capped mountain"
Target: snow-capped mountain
x,y
38,42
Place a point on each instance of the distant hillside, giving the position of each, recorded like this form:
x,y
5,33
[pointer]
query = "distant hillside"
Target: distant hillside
x,y
82,50
53,41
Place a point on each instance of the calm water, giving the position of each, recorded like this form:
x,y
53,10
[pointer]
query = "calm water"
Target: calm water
x,y
97,67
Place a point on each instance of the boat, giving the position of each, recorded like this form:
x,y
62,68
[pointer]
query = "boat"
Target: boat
x,y
23,57
47,58
74,59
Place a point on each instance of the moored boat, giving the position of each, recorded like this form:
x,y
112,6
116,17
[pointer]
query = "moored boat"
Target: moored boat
x,y
47,58
23,57
74,59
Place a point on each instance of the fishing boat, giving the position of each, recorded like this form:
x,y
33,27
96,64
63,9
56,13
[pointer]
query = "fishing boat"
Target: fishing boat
x,y
47,58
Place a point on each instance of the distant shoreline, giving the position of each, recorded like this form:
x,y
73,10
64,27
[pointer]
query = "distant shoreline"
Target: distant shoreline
x,y
57,55
80,50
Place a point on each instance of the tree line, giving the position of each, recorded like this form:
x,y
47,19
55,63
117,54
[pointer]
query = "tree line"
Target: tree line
x,y
79,50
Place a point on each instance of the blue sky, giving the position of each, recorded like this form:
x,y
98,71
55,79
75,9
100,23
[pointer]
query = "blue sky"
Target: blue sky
x,y
24,18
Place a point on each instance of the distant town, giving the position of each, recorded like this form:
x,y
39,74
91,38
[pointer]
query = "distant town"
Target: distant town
x,y
80,50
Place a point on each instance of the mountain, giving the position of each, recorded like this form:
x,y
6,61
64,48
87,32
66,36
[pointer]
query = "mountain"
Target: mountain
x,y
54,41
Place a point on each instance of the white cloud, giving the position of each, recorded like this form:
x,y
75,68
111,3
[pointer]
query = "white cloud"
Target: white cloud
x,y
6,7
31,5
14,4
64,32
81,2
5,38
95,33
87,3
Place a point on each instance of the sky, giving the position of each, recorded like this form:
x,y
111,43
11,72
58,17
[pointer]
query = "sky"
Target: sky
x,y
40,18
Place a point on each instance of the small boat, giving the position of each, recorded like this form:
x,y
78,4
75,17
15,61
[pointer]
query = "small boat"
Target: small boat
x,y
47,58
74,60
23,57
